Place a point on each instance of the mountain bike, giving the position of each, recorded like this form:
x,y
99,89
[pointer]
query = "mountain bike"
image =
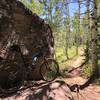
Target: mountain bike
x,y
49,68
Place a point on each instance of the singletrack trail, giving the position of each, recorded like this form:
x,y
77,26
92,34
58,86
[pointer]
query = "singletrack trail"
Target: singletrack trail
x,y
91,92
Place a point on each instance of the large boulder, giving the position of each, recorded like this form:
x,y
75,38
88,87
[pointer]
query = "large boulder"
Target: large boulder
x,y
18,25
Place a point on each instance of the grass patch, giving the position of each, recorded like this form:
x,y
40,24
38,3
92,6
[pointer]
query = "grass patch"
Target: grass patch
x,y
87,70
61,57
60,54
72,52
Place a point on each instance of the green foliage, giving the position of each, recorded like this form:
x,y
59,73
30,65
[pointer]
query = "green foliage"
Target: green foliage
x,y
64,73
87,70
75,23
72,51
61,55
35,6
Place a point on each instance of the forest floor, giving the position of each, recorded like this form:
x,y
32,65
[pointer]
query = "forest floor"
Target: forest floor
x,y
58,89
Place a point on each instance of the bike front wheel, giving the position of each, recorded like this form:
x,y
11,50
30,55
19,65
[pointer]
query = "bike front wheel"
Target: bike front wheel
x,y
49,70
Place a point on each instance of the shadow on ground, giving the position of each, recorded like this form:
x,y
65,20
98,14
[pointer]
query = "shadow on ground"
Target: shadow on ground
x,y
56,90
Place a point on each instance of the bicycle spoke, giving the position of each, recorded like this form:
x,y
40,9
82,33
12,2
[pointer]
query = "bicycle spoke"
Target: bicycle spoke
x,y
50,68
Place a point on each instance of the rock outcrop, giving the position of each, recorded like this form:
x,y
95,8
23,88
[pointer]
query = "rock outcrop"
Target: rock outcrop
x,y
18,25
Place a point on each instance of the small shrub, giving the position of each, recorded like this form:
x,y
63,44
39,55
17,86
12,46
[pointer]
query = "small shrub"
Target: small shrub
x,y
87,70
64,73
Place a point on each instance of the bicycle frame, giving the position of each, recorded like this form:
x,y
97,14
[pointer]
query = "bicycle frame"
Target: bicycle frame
x,y
35,57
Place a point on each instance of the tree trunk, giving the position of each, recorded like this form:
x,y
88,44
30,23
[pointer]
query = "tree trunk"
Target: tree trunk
x,y
94,41
77,42
88,30
95,73
88,18
67,31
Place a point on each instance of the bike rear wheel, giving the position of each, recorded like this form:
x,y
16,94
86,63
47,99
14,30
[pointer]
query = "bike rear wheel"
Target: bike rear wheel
x,y
49,70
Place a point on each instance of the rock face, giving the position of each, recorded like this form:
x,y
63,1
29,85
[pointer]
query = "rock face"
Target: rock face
x,y
18,25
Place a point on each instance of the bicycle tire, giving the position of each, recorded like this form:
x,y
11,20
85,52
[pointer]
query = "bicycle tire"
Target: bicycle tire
x,y
49,70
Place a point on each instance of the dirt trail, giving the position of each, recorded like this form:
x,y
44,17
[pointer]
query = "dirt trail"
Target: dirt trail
x,y
91,92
